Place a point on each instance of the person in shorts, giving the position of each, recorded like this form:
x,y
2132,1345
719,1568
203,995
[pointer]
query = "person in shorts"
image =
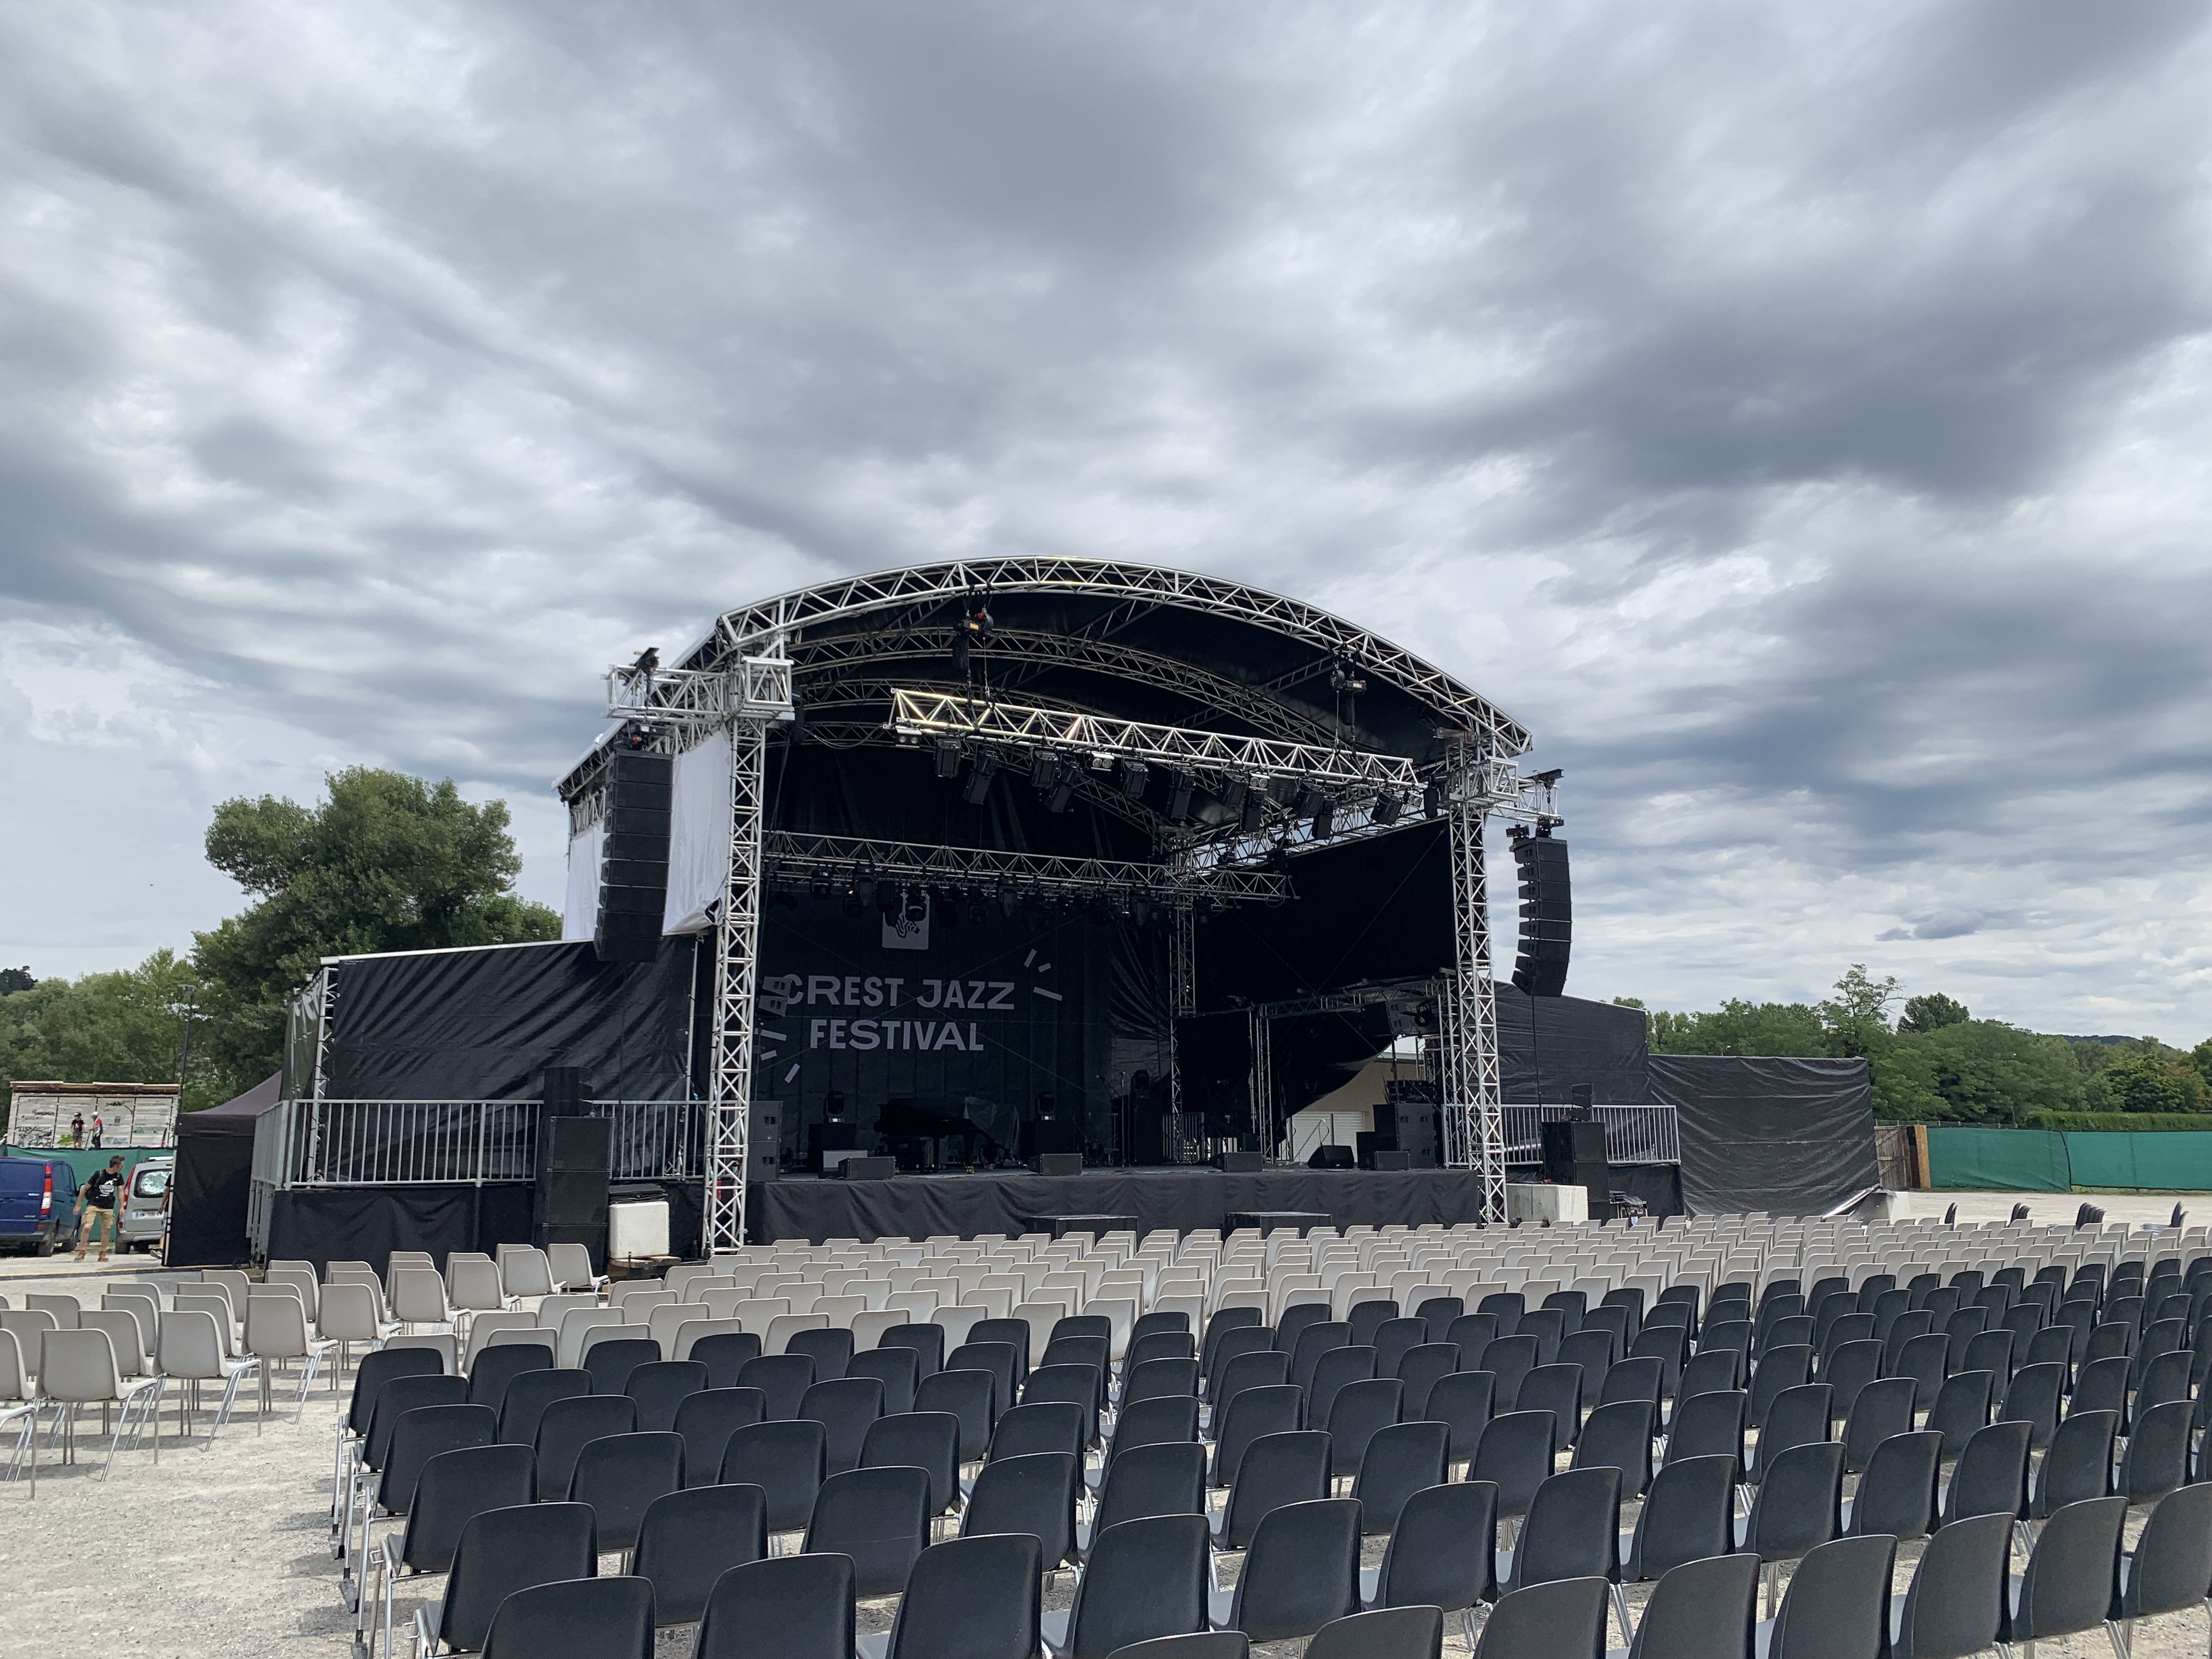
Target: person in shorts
x,y
95,1203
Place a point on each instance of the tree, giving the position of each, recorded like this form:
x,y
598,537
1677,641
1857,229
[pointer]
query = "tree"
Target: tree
x,y
1932,1012
1988,1071
1856,1018
1738,1027
386,862
2201,1058
123,1027
13,980
2143,1081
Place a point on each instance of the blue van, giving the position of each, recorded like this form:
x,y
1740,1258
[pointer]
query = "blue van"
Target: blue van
x,y
38,1203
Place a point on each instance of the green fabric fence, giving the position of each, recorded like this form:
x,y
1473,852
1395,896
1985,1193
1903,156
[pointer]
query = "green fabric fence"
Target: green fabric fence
x,y
2050,1161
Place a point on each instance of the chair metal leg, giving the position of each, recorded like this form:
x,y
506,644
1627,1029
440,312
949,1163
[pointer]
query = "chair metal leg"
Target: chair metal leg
x,y
2117,1631
1620,1609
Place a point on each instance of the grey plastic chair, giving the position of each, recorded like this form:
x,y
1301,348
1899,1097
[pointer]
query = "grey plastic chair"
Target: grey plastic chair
x,y
1896,1495
2072,1579
1837,1603
790,1607
1146,1578
1565,1619
1300,1571
1955,1606
1695,1607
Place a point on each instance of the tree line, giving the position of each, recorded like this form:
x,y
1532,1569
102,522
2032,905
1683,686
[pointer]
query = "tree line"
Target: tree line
x,y
383,862
1934,1062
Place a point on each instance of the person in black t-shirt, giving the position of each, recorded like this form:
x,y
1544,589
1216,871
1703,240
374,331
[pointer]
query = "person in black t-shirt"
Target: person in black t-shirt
x,y
95,1201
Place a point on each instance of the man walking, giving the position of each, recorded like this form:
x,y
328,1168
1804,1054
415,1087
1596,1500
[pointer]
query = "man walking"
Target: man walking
x,y
95,1203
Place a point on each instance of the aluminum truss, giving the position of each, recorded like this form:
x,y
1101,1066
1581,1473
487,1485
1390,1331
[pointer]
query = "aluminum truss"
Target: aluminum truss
x,y
1467,1017
1182,994
955,715
853,858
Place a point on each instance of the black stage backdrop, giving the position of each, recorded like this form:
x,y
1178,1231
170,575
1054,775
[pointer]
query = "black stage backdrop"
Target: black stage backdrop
x,y
483,1024
1547,1045
215,1172
1792,1136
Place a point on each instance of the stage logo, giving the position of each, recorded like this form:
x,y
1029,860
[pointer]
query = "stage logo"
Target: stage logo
x,y
908,928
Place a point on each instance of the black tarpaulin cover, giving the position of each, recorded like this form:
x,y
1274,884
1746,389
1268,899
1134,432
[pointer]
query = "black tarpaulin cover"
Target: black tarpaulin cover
x,y
1792,1136
483,1024
215,1168
1547,1045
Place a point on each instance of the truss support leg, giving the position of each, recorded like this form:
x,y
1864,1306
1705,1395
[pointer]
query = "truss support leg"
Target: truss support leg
x,y
1182,961
1474,1131
1263,1083
737,985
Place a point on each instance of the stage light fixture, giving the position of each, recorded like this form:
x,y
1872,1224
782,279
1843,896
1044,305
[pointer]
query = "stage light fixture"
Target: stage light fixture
x,y
1180,785
889,900
948,758
853,902
1006,898
1140,911
943,908
979,781
820,887
1063,787
867,888
1432,800
976,913
1310,800
1132,779
1387,809
1044,766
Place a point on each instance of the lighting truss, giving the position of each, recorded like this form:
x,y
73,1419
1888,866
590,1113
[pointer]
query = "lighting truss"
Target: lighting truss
x,y
844,857
920,714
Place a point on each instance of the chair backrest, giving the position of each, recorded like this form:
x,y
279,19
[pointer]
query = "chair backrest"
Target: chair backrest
x,y
1443,1550
788,1461
502,1551
1276,1469
845,1407
609,1617
1837,1603
660,1387
1254,1413
1896,1495
567,1426
2157,1458
1573,1528
1564,1619
1618,1435
1955,1604
898,1369
791,1607
452,1488
1198,1645
1146,1578
620,1475
1034,1495
1038,1426
724,1350
2172,1560
1167,1478
1463,1402
1300,1571
1516,1452
687,1539
707,1419
967,1396
879,1516
929,1441
1991,1474
977,1597
1688,1514
784,1379
1382,1633
421,1434
2072,1577
497,1366
1696,1609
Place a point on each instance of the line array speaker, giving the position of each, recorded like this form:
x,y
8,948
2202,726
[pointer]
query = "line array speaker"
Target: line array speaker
x,y
574,1156
1548,916
634,856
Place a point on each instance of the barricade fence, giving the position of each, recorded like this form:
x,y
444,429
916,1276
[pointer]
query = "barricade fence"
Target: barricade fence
x,y
391,1143
1633,1134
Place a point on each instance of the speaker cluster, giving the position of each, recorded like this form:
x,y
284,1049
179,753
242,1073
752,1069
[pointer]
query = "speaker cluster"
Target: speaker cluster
x,y
1547,915
634,859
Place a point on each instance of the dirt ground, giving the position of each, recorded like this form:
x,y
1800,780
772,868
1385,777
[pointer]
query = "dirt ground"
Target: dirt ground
x,y
225,1552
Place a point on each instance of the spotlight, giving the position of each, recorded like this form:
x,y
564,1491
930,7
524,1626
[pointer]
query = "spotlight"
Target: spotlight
x,y
889,900
979,781
948,758
1044,766
852,899
1432,800
1311,798
1063,787
1324,819
1141,911
1008,902
1388,807
1179,784
943,908
820,887
976,913
1132,779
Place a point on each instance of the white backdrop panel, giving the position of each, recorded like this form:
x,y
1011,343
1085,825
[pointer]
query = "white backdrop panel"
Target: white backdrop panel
x,y
580,912
698,834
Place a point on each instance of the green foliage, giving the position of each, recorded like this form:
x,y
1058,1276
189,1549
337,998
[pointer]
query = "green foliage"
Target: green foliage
x,y
1931,1013
2201,1058
1857,1017
386,863
13,980
2133,1121
1738,1027
126,1027
2147,1082
1978,1071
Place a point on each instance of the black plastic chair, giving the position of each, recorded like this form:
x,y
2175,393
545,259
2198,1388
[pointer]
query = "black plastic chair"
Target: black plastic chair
x,y
998,1359
1262,1369
1169,1322
1359,1411
495,1367
2164,1379
1295,1321
966,1397
1925,1361
1896,1493
1098,1325
1561,1621
1688,1515
1471,1333
1505,1307
1257,1412
783,1378
1224,1348
504,1550
725,1353
1548,1325
2032,1398
611,1361
707,1419
1040,1426
606,1618
1782,1368
2115,1338
2171,1562
1146,1578
1442,1553
1619,1436
1709,1425
1991,1477
1149,1379
788,1461
1613,1319
1710,1371
1079,1384
1837,1603
1316,1340
1721,1332
382,1365
2101,1387
1368,1317
1907,1327
878,1516
899,1370
1277,1469
688,1539
1015,1334
1300,1571
1593,1349
1797,1504
1152,1422
1401,1460
2156,1461
2078,1465
1200,1644
791,1607
1557,1389
1393,1339
2072,1577
1148,1480
927,1341
2053,1344
1439,1311
1034,1495
1509,1359
619,1476
568,1425
831,1351
1384,1633
1694,1611
451,1489
847,1408
1096,1351
1668,1344
1461,1401
1572,1531
1849,1368
1961,1409
1641,1378
928,1441
660,1389
528,1394
1798,1417
1883,1408
1515,1453
1334,1371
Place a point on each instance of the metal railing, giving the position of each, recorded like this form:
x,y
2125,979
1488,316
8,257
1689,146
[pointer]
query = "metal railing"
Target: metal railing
x,y
1633,1134
390,1143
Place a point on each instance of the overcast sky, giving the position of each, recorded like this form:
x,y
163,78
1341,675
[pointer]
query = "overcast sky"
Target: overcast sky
x,y
1799,416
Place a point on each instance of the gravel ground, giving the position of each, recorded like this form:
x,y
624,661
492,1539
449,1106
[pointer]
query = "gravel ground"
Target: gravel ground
x,y
225,1552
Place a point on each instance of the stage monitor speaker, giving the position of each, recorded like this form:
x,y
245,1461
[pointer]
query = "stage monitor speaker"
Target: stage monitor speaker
x,y
1057,1164
1373,1155
1574,1156
1332,1157
868,1169
1408,1126
1239,1163
634,856
1547,915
